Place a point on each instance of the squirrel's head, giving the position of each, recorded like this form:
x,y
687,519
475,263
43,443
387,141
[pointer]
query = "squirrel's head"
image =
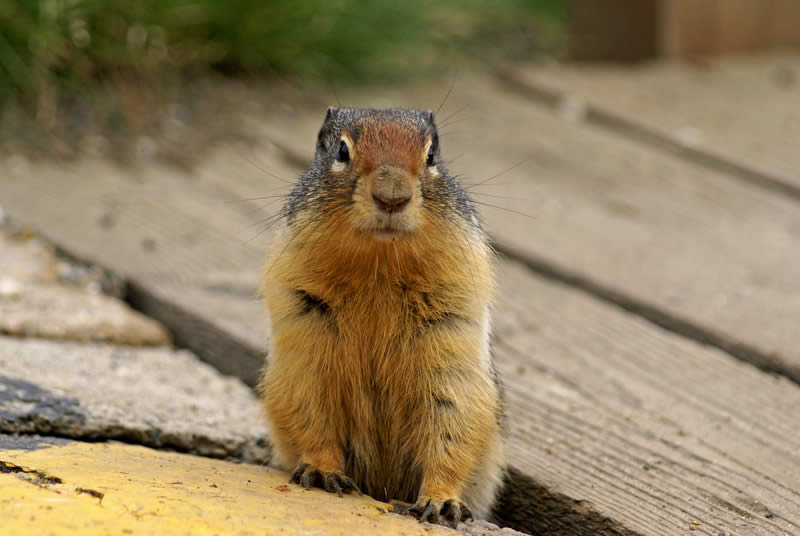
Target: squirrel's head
x,y
380,173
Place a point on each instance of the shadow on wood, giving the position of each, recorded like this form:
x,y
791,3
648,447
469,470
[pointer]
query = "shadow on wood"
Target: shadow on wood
x,y
526,505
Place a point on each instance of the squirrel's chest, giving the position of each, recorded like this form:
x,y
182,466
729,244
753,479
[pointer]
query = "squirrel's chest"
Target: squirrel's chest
x,y
375,334
399,309
376,315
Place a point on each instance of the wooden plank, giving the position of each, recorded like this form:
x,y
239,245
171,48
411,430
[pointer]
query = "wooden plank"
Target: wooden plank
x,y
685,246
616,426
739,115
651,431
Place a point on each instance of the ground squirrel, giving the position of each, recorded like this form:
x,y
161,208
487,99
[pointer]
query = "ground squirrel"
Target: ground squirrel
x,y
378,284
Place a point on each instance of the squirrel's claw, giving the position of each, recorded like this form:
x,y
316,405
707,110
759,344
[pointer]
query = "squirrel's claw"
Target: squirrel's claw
x,y
449,513
309,476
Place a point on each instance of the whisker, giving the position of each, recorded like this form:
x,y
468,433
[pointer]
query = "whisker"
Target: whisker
x,y
470,186
261,232
268,222
319,220
259,209
446,119
244,199
268,172
291,240
504,208
337,215
454,121
452,85
492,185
267,219
271,220
456,157
335,93
499,196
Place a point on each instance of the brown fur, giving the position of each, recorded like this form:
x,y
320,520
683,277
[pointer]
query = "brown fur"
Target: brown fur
x,y
389,382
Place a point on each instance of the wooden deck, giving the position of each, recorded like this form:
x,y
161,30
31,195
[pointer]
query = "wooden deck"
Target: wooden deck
x,y
647,328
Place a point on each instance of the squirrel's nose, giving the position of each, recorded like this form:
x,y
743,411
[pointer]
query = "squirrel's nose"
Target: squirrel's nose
x,y
391,190
390,204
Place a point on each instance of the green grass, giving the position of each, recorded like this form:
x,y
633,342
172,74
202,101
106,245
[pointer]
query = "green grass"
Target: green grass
x,y
67,44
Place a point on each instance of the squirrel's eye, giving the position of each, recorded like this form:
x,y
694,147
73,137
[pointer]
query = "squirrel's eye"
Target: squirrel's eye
x,y
430,155
344,153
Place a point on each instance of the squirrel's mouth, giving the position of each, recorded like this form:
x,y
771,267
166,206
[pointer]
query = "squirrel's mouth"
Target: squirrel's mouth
x,y
377,226
389,232
389,227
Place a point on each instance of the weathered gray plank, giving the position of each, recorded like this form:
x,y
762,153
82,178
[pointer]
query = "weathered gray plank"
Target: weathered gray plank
x,y
622,427
650,430
739,115
688,247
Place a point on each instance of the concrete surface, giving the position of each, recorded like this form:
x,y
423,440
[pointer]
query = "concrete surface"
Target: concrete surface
x,y
44,296
123,489
49,486
151,396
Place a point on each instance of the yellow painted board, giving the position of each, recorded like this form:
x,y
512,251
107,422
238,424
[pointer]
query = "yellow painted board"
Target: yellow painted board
x,y
145,491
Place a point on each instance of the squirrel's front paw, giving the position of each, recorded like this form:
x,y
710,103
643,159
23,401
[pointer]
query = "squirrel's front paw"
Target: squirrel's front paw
x,y
449,512
307,475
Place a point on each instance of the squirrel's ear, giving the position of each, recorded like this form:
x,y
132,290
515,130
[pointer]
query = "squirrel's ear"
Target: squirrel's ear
x,y
332,111
326,127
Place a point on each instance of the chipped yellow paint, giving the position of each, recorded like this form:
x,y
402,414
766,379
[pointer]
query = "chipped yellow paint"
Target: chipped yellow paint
x,y
145,491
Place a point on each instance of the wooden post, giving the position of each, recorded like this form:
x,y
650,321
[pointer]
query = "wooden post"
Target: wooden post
x,y
632,30
620,30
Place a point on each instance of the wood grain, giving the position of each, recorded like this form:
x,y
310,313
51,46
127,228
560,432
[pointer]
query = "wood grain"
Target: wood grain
x,y
648,429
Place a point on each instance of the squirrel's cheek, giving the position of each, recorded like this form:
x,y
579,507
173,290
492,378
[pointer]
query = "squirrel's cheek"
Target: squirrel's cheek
x,y
338,167
434,173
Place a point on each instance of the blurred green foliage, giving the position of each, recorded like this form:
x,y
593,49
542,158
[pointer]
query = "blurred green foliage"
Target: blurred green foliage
x,y
57,46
